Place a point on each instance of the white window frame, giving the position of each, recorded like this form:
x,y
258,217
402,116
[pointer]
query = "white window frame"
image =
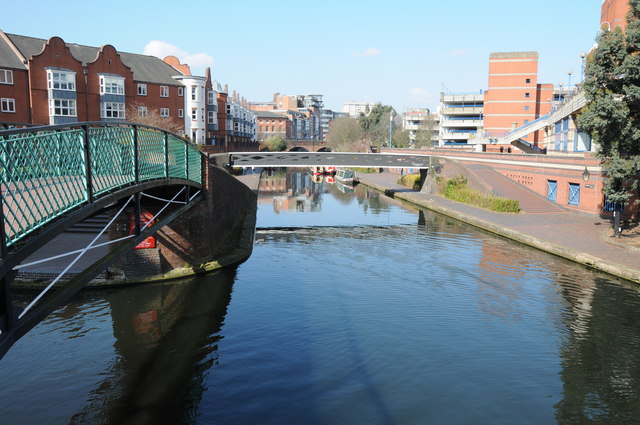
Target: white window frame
x,y
194,93
164,91
211,115
143,112
8,105
63,108
142,89
211,97
180,91
181,113
194,114
114,109
6,76
61,80
164,112
110,84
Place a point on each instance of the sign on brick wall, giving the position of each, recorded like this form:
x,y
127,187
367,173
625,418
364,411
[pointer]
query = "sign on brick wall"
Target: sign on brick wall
x,y
145,218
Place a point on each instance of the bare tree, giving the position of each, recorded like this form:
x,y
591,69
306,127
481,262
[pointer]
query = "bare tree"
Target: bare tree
x,y
424,134
346,135
138,113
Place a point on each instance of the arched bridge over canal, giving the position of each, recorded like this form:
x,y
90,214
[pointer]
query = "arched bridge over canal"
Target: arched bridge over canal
x,y
53,177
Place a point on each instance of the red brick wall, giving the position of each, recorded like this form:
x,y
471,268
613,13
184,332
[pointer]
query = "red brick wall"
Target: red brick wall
x,y
533,171
205,233
107,62
55,54
506,103
614,13
20,93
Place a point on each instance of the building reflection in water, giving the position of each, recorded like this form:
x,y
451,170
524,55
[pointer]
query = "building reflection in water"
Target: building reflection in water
x,y
600,357
166,340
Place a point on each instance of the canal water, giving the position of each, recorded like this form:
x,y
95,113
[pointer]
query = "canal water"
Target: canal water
x,y
353,309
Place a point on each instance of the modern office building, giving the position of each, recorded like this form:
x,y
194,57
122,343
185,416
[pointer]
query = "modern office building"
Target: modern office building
x,y
326,116
354,109
460,117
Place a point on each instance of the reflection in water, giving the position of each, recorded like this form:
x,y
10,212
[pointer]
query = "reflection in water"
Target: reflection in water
x,y
601,355
166,339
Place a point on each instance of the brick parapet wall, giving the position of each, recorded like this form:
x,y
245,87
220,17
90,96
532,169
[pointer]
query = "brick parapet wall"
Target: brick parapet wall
x,y
208,231
534,172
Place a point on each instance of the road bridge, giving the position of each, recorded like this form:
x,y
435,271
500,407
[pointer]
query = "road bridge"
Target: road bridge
x,y
52,177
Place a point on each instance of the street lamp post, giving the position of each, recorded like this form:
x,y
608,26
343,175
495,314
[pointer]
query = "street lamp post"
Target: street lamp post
x,y
569,72
390,129
583,55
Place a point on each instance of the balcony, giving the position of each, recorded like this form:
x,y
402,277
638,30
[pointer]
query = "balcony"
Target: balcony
x,y
457,136
461,123
463,110
462,97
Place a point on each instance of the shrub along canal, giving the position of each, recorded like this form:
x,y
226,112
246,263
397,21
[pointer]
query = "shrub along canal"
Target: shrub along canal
x,y
353,309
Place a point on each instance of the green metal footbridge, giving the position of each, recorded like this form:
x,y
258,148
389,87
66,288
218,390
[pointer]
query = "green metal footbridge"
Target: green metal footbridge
x,y
52,177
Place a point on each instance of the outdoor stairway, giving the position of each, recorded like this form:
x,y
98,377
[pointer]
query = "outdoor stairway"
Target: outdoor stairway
x,y
91,225
530,202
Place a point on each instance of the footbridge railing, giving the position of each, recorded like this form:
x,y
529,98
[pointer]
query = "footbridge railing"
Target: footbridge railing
x,y
54,176
47,171
338,159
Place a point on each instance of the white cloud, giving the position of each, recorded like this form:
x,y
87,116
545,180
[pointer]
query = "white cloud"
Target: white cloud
x,y
162,49
458,52
371,51
418,94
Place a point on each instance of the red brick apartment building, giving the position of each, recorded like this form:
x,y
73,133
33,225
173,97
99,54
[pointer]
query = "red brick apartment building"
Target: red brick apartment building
x,y
514,96
53,82
273,124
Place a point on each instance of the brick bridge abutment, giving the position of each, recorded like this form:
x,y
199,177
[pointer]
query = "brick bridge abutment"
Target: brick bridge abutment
x,y
215,233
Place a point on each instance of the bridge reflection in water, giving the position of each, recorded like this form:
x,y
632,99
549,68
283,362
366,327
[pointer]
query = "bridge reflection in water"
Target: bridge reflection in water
x,y
355,310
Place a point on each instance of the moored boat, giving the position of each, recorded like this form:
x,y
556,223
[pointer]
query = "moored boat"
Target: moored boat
x,y
346,176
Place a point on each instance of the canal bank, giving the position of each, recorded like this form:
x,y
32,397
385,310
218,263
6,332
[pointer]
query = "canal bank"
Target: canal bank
x,y
574,236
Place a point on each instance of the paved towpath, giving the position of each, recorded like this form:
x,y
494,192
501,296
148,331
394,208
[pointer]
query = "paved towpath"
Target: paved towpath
x,y
572,235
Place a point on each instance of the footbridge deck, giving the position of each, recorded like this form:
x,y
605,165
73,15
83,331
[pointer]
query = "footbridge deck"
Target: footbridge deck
x,y
323,159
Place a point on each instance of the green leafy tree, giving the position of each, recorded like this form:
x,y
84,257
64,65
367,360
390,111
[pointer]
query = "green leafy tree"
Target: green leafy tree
x,y
275,144
401,139
612,113
375,124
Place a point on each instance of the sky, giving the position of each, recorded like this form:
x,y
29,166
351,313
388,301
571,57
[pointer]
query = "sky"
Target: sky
x,y
399,53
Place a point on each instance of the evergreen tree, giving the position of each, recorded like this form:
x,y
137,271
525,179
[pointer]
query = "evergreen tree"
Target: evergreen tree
x,y
612,113
376,124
